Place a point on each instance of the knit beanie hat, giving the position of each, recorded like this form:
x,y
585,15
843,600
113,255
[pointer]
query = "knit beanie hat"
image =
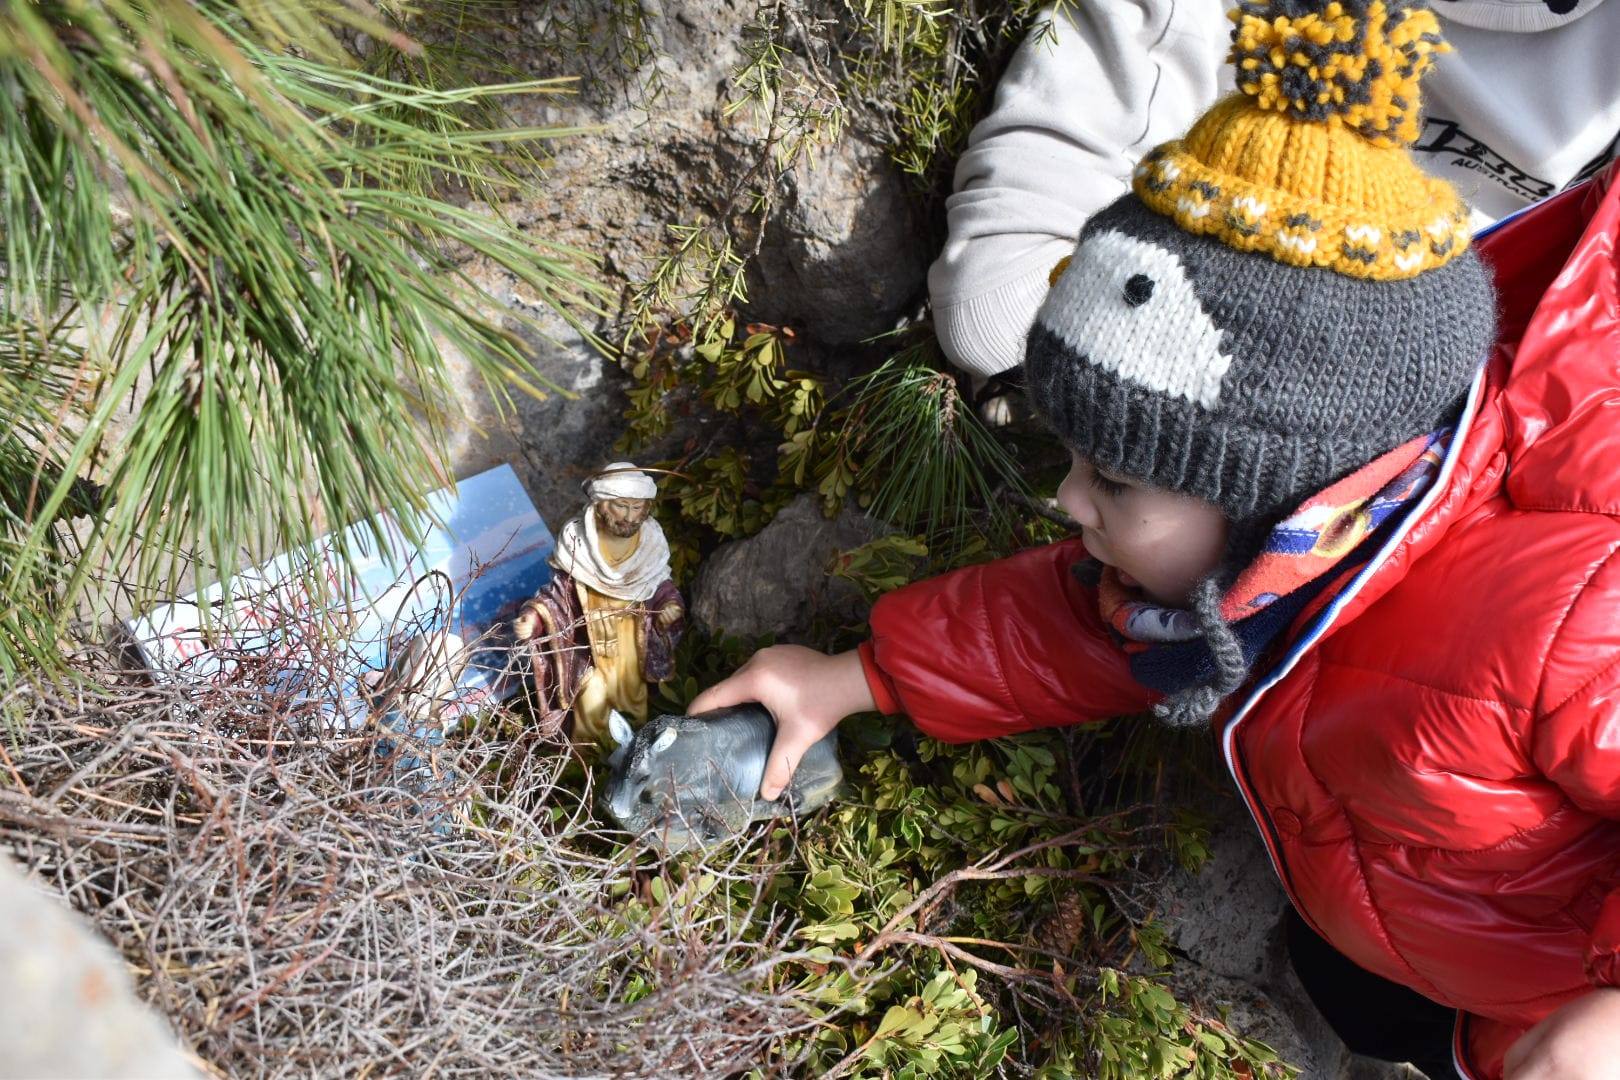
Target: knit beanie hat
x,y
1283,295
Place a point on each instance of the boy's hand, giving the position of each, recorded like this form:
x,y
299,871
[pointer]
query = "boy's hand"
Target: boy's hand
x,y
1580,1041
806,691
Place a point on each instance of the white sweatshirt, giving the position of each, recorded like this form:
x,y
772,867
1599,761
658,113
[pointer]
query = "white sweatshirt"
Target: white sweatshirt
x,y
1528,103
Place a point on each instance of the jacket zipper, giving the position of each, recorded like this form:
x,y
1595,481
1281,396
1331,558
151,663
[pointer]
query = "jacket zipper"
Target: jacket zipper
x,y
1459,1049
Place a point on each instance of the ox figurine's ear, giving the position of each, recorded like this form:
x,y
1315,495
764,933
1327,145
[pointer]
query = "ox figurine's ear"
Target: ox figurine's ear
x,y
665,740
619,728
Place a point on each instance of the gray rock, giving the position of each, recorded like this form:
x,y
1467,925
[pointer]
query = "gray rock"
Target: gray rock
x,y
777,581
841,256
1225,916
66,1004
1279,1014
845,255
554,443
1282,986
1254,1014
1363,1068
1227,919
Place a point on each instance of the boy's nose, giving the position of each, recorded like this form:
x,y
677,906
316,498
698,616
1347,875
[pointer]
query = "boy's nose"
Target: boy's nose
x,y
1075,498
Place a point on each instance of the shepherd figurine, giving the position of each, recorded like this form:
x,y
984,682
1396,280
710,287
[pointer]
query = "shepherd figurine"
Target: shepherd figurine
x,y
607,624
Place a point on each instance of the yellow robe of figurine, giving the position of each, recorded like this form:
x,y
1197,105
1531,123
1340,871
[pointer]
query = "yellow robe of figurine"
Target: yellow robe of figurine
x,y
615,680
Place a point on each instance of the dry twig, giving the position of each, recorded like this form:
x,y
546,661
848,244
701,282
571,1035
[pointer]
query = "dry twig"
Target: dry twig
x,y
297,904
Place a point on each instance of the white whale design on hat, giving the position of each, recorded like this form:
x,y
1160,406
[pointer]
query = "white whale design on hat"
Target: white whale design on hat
x,y
1163,341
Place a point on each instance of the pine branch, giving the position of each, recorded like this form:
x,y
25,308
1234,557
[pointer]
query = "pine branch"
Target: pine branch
x,y
254,238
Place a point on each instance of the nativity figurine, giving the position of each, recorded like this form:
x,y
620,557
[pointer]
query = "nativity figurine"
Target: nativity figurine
x,y
607,624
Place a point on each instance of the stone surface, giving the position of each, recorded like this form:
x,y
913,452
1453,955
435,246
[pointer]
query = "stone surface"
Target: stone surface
x,y
845,261
1254,1014
1361,1068
1283,989
1226,915
842,256
555,442
66,1004
1279,1015
1227,920
777,581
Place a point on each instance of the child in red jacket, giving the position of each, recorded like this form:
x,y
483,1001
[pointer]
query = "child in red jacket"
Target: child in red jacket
x,y
1289,462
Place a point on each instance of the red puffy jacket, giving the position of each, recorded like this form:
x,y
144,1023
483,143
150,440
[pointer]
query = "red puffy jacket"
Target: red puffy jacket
x,y
1433,759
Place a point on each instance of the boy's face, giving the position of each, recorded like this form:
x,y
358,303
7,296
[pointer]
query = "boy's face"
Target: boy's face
x,y
1159,541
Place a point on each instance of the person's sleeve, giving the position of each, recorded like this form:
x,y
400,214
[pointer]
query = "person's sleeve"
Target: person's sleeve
x,y
999,648
1576,739
1092,89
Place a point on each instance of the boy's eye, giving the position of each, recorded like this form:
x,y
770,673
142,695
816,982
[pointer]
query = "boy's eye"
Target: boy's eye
x,y
1111,488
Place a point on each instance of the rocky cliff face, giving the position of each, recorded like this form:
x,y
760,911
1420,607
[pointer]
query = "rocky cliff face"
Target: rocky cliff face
x,y
841,255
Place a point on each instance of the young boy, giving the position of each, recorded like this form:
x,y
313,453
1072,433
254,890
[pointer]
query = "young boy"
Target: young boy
x,y
1288,460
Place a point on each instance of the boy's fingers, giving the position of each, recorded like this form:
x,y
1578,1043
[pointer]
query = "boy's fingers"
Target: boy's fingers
x,y
730,691
786,753
777,775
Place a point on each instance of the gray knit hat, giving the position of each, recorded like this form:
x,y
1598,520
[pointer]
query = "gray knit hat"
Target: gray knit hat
x,y
1224,374
1284,294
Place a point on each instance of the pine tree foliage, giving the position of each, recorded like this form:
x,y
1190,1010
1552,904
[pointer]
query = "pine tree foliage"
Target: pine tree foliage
x,y
942,474
230,271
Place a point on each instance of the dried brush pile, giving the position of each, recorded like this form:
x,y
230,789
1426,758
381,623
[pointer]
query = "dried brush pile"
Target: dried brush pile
x,y
296,906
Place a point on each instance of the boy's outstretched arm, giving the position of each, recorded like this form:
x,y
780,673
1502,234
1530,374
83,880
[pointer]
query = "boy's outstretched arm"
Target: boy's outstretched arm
x,y
999,648
988,650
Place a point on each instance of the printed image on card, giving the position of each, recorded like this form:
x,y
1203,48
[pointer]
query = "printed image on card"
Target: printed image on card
x,y
464,579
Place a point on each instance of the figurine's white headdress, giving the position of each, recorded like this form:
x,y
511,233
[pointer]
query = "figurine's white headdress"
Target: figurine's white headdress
x,y
579,549
620,480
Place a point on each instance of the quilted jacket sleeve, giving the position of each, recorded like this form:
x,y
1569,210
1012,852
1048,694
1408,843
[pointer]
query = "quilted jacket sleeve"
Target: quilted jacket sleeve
x,y
1577,735
999,648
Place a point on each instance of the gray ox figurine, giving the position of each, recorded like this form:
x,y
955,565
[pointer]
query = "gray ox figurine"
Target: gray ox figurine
x,y
692,781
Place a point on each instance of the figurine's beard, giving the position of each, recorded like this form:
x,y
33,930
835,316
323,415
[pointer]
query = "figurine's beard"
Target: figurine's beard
x,y
624,530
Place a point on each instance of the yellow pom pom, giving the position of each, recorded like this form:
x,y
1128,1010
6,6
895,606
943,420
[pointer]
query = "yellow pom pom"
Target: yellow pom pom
x,y
1355,62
